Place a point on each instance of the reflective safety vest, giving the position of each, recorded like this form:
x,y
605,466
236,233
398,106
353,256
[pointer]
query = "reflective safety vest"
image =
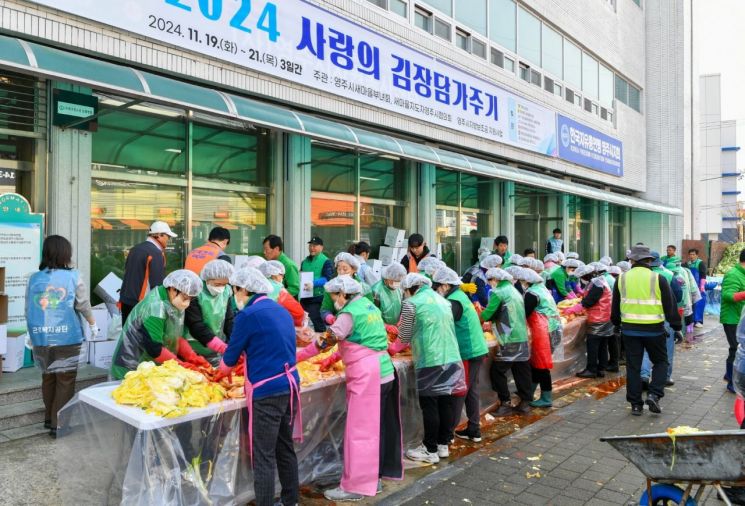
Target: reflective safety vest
x,y
641,300
197,258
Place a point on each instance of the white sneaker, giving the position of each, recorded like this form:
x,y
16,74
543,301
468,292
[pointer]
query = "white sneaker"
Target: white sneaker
x,y
420,454
698,325
443,451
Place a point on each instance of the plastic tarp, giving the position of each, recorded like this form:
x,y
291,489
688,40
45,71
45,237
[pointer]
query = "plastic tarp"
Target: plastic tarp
x,y
713,295
132,458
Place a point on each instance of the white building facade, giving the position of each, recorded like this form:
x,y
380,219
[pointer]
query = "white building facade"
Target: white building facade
x,y
458,120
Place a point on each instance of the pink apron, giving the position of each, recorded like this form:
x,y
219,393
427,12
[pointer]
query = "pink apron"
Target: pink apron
x,y
362,431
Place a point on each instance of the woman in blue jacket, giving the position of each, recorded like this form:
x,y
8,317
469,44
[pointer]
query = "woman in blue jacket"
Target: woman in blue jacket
x,y
55,296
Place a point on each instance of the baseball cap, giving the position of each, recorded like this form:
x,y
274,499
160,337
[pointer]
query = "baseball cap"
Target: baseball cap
x,y
161,227
316,240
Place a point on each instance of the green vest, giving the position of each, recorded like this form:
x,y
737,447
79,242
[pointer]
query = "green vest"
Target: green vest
x,y
668,275
315,265
276,289
515,330
610,280
641,300
369,331
433,342
468,331
129,352
546,306
388,301
328,305
213,315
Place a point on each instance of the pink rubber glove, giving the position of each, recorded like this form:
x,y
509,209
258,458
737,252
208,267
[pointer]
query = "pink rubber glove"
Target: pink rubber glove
x,y
224,371
689,329
575,309
328,362
739,296
217,345
330,319
571,295
396,347
702,285
304,354
391,329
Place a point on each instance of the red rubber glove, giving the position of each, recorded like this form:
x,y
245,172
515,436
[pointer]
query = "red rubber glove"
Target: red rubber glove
x,y
328,362
309,351
217,345
391,329
330,319
739,296
396,347
224,371
166,355
185,351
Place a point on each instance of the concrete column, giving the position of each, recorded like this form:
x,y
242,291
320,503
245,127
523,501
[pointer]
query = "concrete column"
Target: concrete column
x,y
507,212
296,229
427,204
603,235
495,206
69,189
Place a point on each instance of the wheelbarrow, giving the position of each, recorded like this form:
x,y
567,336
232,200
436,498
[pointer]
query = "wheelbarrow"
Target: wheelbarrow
x,y
703,459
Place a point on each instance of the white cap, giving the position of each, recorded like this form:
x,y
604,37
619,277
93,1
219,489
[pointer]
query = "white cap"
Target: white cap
x,y
600,267
160,227
560,256
491,262
432,266
254,261
446,276
530,276
570,262
537,265
414,279
344,284
498,274
624,266
514,271
614,269
483,253
349,259
516,259
272,268
551,257
216,269
184,281
608,261
525,261
394,272
584,270
251,279
572,254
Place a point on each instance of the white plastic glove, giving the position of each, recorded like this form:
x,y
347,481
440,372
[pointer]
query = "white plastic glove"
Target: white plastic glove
x,y
94,330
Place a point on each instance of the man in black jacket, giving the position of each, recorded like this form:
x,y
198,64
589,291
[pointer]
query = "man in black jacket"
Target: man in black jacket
x,y
642,302
145,267
418,250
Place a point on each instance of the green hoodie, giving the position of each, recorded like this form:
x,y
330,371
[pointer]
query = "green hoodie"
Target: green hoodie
x,y
733,282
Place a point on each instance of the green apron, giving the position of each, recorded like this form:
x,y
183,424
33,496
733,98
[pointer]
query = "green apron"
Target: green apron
x,y
388,301
433,342
509,324
468,331
213,315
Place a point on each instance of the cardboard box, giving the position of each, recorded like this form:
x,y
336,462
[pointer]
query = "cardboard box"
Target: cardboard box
x,y
376,266
239,260
13,358
101,353
3,309
487,243
2,279
394,237
400,253
109,287
103,319
306,278
3,339
386,255
113,309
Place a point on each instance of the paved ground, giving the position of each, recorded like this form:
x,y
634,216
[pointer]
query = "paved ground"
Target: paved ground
x,y
560,460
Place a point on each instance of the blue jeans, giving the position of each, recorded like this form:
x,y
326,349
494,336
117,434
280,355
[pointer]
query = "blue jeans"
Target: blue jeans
x,y
647,364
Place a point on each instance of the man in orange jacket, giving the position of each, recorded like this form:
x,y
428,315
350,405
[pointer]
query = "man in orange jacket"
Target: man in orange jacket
x,y
213,249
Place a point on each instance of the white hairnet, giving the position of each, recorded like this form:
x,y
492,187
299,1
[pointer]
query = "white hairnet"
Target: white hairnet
x,y
498,274
394,272
624,266
483,253
608,261
344,284
428,262
446,276
600,267
551,257
216,269
572,254
514,270
570,262
272,268
614,269
584,270
413,279
347,258
254,261
251,279
530,276
560,256
491,262
184,281
524,261
516,259
537,265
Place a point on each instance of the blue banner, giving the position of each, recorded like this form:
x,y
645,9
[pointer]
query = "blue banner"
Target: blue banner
x,y
586,146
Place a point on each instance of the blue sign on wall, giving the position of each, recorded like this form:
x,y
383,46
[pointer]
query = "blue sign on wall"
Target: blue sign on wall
x,y
587,147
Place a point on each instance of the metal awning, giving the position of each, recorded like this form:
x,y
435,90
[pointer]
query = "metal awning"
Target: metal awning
x,y
61,65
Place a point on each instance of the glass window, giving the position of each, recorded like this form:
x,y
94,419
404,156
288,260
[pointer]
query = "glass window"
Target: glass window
x,y
21,103
529,36
478,48
442,29
228,155
509,64
524,72
617,233
472,14
582,229
444,6
622,89
400,7
423,19
589,76
572,64
552,52
462,40
605,82
379,3
497,57
535,78
502,23
558,89
537,214
635,99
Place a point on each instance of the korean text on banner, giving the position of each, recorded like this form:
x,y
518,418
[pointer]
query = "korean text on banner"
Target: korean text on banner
x,y
587,147
297,41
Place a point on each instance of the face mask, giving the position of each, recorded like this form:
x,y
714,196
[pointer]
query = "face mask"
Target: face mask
x,y
240,304
339,304
215,290
394,285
